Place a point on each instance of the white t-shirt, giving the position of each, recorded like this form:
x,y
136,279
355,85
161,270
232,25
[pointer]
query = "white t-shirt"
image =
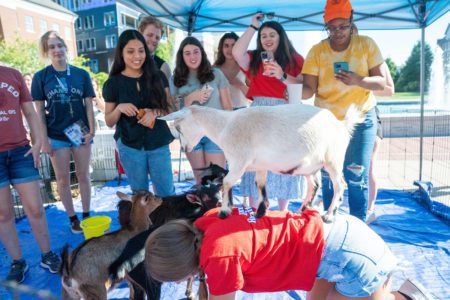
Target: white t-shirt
x,y
238,98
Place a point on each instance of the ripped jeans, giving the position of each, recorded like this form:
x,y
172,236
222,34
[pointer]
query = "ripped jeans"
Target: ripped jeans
x,y
356,167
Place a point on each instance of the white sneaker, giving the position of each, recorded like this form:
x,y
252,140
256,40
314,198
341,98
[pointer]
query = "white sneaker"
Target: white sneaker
x,y
415,290
371,218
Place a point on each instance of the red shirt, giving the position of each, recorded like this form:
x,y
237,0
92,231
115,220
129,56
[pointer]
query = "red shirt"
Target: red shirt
x,y
265,86
278,252
13,92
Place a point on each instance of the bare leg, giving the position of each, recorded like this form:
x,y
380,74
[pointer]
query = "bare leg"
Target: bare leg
x,y
82,158
8,232
320,290
32,204
197,161
373,184
61,165
283,204
215,158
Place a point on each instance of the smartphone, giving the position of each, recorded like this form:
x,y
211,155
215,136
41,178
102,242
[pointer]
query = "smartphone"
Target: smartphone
x,y
340,65
267,56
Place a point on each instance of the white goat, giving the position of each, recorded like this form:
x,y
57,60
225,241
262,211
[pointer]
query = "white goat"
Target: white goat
x,y
286,139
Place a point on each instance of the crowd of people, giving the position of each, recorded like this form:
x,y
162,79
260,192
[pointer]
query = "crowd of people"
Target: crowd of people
x,y
141,87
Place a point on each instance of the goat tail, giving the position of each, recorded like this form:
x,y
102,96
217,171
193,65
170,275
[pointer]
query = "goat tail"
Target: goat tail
x,y
352,117
64,269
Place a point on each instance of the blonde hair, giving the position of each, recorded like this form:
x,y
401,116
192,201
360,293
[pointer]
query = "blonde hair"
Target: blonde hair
x,y
43,42
150,20
172,251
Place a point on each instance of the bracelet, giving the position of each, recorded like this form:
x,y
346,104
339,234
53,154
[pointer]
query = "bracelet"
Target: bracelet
x,y
254,27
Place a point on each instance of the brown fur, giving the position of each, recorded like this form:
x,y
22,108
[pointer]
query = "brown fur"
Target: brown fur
x,y
85,271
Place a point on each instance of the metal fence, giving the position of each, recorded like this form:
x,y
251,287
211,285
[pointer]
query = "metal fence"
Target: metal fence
x,y
398,164
48,187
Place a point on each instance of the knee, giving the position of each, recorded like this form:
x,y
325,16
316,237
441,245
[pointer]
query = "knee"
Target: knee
x,y
36,212
6,216
63,181
83,178
356,175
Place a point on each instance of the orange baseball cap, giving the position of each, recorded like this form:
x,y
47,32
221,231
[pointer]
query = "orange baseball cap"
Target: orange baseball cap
x,y
335,9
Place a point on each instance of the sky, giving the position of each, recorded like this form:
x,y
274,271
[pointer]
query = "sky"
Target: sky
x,y
396,44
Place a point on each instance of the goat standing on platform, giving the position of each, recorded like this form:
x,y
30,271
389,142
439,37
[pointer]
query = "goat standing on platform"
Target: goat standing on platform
x,y
288,139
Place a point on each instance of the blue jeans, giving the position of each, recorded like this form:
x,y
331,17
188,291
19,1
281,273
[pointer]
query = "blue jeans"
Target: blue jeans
x,y
356,167
139,163
207,145
15,168
355,257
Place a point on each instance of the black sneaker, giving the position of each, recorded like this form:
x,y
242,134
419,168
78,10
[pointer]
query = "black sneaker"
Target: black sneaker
x,y
75,227
17,272
51,261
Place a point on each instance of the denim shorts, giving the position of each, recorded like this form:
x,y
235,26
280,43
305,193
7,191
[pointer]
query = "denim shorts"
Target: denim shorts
x,y
59,144
355,258
15,168
207,145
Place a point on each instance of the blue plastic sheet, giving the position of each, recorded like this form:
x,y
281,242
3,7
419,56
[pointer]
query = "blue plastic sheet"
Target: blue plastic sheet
x,y
419,239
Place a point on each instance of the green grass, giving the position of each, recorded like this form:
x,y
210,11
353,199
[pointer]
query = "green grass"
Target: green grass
x,y
400,96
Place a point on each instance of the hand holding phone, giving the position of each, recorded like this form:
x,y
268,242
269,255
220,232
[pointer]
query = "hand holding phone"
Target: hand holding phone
x,y
340,65
266,57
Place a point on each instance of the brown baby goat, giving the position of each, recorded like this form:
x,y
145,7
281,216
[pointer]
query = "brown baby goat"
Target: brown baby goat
x,y
84,272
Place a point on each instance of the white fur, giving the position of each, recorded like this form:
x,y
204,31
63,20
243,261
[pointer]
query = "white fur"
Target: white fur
x,y
300,139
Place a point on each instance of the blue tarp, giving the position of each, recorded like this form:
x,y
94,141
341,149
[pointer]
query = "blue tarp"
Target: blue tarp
x,y
420,241
295,15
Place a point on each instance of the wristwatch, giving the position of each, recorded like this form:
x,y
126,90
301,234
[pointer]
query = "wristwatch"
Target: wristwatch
x,y
283,77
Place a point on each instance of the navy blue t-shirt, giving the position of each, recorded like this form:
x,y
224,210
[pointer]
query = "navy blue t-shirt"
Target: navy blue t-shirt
x,y
63,93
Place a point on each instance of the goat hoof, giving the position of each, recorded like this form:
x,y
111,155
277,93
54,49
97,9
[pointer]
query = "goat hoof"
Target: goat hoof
x,y
223,214
328,218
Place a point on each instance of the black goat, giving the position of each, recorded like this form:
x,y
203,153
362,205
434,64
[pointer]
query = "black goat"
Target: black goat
x,y
191,205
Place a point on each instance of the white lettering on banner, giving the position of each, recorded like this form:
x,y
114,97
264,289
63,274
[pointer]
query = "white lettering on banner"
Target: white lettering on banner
x,y
11,89
4,119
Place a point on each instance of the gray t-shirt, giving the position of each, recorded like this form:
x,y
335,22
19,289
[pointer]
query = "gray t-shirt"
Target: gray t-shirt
x,y
219,82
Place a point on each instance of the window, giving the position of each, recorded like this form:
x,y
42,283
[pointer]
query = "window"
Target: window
x,y
89,22
111,41
80,46
110,63
78,24
29,26
109,18
93,65
55,27
74,4
67,33
128,21
91,44
43,26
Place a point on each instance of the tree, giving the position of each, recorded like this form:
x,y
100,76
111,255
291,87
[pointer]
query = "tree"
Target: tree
x,y
392,69
21,55
165,50
409,79
24,56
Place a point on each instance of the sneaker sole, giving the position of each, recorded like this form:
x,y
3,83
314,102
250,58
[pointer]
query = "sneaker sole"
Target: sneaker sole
x,y
48,268
76,231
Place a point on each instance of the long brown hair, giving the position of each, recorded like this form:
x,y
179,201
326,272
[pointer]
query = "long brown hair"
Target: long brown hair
x,y
151,75
284,53
172,252
220,57
204,73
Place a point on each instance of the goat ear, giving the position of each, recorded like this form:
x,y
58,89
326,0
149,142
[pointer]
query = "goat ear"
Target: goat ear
x,y
175,115
123,196
194,199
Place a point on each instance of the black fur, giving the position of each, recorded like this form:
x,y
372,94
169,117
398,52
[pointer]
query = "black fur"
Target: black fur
x,y
174,207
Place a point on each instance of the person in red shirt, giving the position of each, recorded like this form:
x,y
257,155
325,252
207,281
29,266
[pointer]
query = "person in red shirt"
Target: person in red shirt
x,y
278,252
19,164
268,80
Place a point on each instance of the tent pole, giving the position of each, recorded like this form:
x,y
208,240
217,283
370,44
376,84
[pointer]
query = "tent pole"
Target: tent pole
x,y
422,95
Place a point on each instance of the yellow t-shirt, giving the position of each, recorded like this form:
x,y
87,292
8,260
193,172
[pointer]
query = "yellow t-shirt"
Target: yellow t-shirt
x,y
362,54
